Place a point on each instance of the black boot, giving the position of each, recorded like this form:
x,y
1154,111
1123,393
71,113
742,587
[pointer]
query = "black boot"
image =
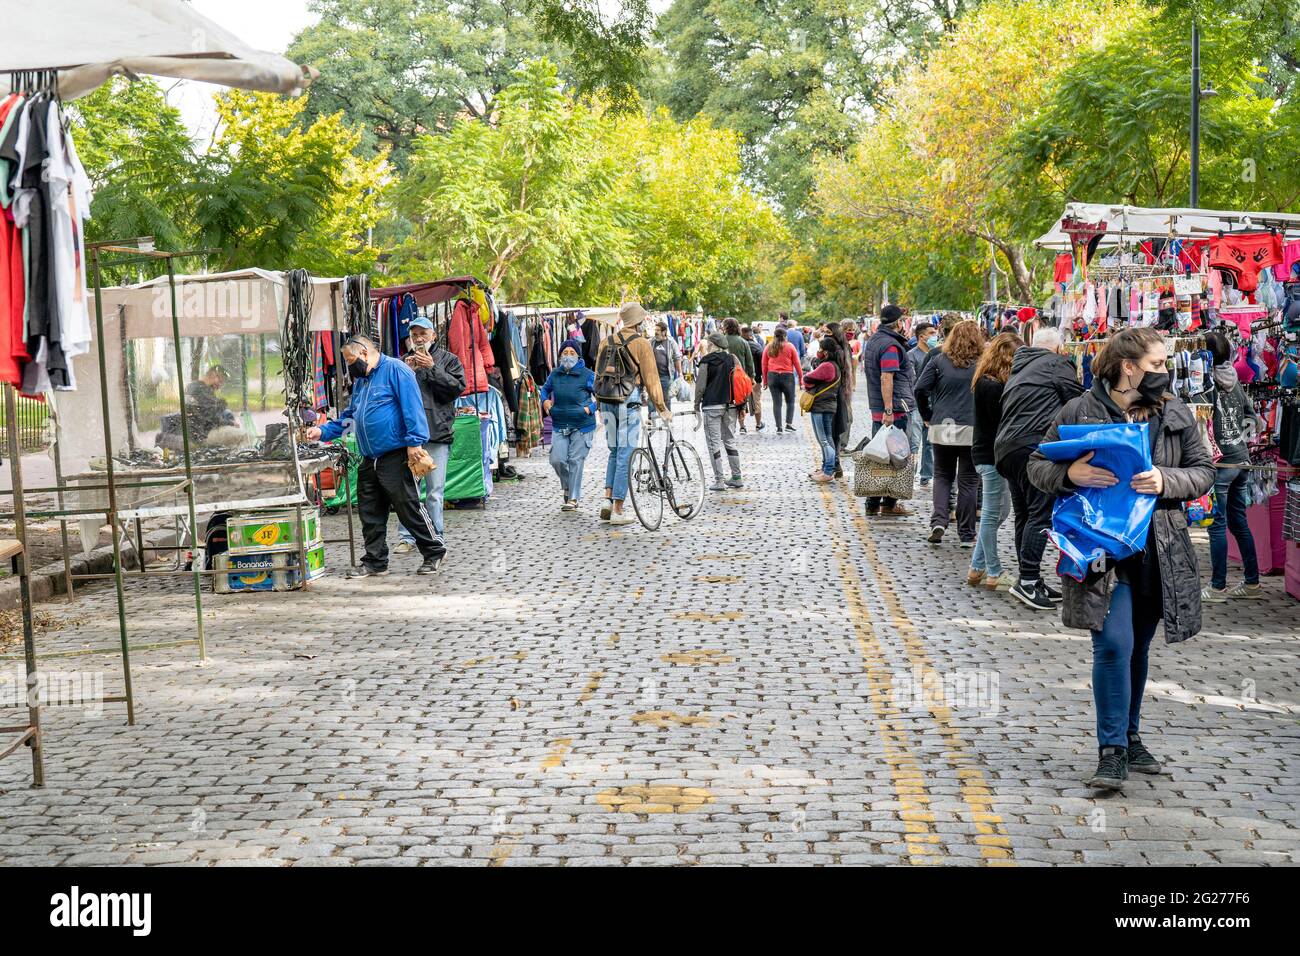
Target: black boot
x,y
1141,760
1112,769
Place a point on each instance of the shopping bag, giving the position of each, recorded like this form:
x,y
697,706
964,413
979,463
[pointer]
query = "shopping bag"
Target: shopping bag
x,y
878,448
1093,524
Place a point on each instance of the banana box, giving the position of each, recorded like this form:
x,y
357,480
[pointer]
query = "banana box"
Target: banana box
x,y
265,571
254,532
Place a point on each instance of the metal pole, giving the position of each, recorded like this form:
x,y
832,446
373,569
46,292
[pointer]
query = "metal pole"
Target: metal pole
x,y
261,355
24,589
338,395
1196,114
189,470
112,488
63,522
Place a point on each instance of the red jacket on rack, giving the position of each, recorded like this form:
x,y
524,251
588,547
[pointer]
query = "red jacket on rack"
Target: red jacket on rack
x,y
468,340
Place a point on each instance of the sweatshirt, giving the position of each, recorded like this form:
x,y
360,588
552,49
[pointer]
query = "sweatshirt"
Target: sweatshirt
x,y
786,362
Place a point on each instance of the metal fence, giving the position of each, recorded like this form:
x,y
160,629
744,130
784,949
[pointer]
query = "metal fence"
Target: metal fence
x,y
32,417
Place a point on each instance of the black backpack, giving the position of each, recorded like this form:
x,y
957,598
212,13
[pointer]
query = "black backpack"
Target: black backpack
x,y
617,375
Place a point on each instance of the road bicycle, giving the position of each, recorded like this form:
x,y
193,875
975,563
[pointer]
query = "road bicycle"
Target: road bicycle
x,y
677,478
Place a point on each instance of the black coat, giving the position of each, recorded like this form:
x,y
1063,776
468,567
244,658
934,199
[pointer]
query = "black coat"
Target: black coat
x,y
1183,457
440,386
943,392
714,374
1040,383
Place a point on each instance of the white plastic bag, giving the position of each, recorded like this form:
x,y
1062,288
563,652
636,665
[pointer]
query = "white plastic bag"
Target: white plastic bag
x,y
878,448
900,447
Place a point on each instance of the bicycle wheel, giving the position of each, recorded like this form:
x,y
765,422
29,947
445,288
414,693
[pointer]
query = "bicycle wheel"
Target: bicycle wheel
x,y
643,487
684,480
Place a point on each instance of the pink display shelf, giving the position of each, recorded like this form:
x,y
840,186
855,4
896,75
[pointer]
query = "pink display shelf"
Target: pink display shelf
x,y
1266,526
1293,569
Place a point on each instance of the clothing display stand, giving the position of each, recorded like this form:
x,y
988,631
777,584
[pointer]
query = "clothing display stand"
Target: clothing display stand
x,y
16,551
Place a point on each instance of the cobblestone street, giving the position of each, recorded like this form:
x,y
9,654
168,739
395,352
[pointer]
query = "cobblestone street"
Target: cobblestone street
x,y
778,681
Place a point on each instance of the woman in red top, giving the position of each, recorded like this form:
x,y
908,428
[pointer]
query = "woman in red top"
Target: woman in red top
x,y
781,368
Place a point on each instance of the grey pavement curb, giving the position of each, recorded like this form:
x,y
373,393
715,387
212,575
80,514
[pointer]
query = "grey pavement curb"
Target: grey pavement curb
x,y
48,581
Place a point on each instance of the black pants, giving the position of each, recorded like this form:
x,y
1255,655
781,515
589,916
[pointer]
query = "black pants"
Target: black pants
x,y
1033,511
781,385
954,463
874,503
384,484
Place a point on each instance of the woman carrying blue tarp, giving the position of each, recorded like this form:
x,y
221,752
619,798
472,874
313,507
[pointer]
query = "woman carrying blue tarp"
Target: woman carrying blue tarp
x,y
1122,601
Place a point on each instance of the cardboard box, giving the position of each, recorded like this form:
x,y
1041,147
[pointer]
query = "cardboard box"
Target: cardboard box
x,y
265,571
259,532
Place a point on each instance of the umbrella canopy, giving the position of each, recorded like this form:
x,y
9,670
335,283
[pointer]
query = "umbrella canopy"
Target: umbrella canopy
x,y
89,41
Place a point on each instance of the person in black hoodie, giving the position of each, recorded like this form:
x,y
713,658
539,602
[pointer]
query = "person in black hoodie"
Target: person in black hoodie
x,y
1042,381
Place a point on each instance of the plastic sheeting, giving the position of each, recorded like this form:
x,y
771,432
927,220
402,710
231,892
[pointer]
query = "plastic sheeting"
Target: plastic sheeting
x,y
1097,523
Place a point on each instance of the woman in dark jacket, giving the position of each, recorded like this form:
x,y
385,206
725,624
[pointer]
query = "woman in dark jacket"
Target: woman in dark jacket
x,y
569,397
1122,602
823,384
943,394
991,374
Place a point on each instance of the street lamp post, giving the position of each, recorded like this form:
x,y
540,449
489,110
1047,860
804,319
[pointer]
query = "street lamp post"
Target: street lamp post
x,y
1196,113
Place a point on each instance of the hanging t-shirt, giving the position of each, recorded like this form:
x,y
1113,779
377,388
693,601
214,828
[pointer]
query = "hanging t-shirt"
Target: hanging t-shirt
x,y
69,193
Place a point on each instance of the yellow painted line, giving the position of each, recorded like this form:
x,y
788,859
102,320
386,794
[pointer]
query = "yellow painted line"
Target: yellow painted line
x,y
612,640
663,719
558,749
592,683
698,658
720,579
475,662
974,788
657,799
704,617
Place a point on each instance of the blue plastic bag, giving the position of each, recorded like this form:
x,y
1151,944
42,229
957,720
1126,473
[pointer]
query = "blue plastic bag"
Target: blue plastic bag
x,y
1096,523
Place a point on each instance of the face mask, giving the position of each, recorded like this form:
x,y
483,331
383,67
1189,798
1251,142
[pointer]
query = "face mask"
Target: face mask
x,y
932,341
358,368
1152,387
567,362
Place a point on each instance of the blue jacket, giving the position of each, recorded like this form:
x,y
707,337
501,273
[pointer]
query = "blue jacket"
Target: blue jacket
x,y
573,392
795,338
386,411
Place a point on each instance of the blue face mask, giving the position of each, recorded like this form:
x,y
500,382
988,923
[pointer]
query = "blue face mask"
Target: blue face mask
x,y
932,341
567,362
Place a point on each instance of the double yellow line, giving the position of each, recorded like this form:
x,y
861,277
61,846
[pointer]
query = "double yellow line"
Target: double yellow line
x,y
924,843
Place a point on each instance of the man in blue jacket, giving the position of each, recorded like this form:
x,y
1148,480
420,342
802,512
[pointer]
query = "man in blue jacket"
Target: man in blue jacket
x,y
386,413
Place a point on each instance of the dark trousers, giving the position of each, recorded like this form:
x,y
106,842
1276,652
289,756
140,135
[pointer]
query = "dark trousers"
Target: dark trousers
x,y
384,484
1119,663
874,503
1230,487
953,463
1033,509
781,385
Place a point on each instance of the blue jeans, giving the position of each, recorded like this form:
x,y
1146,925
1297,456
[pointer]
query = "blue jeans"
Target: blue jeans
x,y
996,507
918,435
568,456
1119,664
823,424
434,483
1230,489
622,434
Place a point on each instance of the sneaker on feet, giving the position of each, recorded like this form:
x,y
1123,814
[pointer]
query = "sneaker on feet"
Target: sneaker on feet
x,y
1251,592
430,566
1032,594
366,571
717,486
1213,595
404,547
759,427
606,510
1053,595
935,535
925,482
821,478
968,543
872,511
569,506
735,482
1141,760
617,520
1112,769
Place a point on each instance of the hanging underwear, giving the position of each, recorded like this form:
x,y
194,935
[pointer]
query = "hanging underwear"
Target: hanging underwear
x,y
1064,269
1245,254
1285,272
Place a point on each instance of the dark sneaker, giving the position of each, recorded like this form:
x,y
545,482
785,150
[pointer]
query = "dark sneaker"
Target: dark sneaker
x,y
430,566
1141,760
935,536
1031,593
839,472
872,511
1053,595
366,571
1112,769
736,482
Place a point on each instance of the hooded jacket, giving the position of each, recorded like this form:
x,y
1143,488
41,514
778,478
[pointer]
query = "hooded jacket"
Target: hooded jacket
x,y
1183,458
1041,383
713,380
574,392
385,411
468,339
440,386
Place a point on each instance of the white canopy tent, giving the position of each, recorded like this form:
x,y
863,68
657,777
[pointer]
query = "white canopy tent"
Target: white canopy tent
x,y
1146,222
88,41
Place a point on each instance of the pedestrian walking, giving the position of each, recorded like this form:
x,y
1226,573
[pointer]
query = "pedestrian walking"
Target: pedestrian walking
x,y
753,406
990,378
927,341
626,377
781,371
1235,423
713,407
794,335
387,415
1042,380
668,359
1123,603
947,405
889,390
844,410
822,383
441,378
569,397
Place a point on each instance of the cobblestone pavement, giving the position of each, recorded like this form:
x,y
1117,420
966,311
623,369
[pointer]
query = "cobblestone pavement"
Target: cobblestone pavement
x,y
777,681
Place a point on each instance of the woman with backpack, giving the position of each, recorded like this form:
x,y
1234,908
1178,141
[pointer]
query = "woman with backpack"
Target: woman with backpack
x,y
713,399
822,385
947,404
1122,602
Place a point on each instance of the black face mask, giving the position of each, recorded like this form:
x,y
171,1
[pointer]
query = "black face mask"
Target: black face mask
x,y
1153,387
358,368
